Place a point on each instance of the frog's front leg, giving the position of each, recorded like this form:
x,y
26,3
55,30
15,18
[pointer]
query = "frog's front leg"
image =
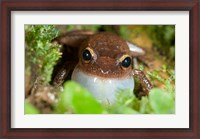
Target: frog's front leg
x,y
146,84
63,73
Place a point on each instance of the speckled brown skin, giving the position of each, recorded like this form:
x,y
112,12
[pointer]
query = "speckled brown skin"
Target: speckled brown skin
x,y
108,48
146,84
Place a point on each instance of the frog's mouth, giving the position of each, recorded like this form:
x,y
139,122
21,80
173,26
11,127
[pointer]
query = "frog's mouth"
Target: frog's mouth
x,y
103,89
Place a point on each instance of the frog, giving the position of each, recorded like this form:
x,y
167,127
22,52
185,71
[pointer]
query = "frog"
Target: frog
x,y
101,62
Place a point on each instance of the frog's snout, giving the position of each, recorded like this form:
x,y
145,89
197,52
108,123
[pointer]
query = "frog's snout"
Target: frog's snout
x,y
106,64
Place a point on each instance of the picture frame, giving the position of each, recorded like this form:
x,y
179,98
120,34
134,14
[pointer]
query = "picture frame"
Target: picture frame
x,y
105,5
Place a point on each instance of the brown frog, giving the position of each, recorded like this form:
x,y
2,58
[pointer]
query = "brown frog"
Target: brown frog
x,y
101,62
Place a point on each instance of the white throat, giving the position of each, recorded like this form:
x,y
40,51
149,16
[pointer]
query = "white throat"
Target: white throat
x,y
103,89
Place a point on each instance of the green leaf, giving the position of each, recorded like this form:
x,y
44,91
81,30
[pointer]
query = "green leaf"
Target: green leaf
x,y
78,100
30,109
122,109
161,102
145,106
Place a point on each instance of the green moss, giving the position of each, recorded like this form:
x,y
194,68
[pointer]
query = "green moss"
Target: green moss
x,y
41,54
168,83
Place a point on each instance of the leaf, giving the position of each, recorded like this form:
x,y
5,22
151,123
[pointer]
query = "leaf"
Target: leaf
x,y
145,106
161,102
30,109
122,109
78,100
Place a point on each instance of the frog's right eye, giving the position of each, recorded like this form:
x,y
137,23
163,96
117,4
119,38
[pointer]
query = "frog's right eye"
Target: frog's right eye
x,y
87,55
125,61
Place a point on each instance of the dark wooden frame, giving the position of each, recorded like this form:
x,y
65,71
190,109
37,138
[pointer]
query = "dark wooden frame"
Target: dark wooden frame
x,y
193,132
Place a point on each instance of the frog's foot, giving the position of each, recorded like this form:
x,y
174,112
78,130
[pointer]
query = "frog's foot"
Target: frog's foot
x,y
146,84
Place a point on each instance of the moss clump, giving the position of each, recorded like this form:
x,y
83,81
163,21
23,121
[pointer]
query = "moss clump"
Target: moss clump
x,y
41,54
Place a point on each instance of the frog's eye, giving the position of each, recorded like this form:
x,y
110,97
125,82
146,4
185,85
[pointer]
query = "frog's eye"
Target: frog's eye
x,y
87,55
125,61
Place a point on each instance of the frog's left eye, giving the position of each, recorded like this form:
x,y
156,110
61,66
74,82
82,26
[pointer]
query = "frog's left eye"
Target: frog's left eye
x,y
87,55
125,61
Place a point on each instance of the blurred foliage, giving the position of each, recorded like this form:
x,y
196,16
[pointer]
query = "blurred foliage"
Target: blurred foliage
x,y
161,102
76,99
163,37
30,109
41,54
